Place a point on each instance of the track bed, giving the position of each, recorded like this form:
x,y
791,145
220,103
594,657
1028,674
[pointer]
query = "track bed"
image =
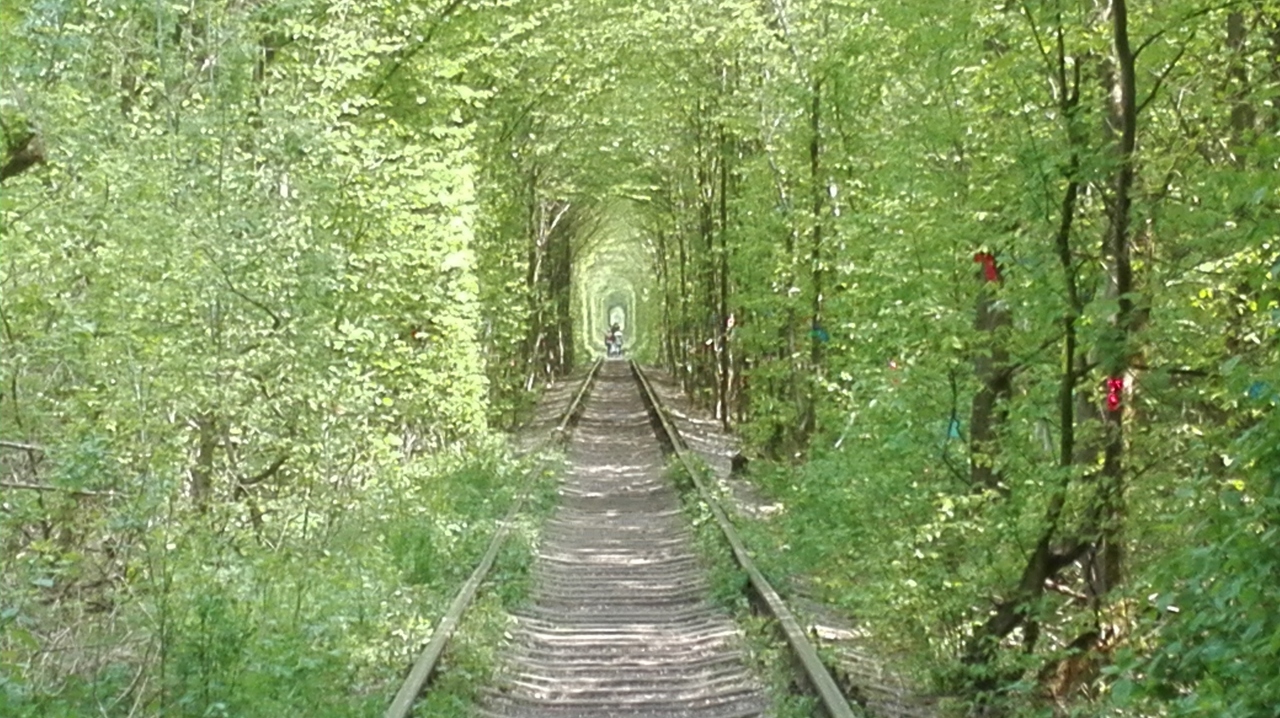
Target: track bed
x,y
619,624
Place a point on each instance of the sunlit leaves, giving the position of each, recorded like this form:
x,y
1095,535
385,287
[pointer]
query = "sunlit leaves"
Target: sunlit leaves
x,y
240,296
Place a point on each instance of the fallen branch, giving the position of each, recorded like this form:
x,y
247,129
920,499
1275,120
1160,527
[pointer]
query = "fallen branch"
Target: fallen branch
x,y
1056,587
20,446
60,489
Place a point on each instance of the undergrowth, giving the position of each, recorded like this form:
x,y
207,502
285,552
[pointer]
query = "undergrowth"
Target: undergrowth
x,y
825,541
306,608
472,656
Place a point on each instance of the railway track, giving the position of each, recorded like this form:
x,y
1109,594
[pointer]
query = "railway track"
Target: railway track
x,y
619,623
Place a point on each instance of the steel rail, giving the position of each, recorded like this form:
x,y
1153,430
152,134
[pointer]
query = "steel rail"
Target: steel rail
x,y
424,667
818,677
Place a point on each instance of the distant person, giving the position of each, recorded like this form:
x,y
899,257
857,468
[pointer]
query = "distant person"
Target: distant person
x,y
613,341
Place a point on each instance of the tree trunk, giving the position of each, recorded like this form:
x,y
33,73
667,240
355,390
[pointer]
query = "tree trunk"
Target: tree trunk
x,y
1242,112
666,347
1273,18
995,376
1107,562
817,333
21,152
1045,561
708,339
533,278
202,469
560,279
686,371
723,365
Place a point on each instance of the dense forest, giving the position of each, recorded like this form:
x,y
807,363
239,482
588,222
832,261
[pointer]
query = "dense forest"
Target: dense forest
x,y
990,291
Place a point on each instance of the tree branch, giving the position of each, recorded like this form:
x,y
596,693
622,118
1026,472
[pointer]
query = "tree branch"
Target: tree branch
x,y
22,154
1044,53
1185,18
408,53
58,489
267,472
276,320
1164,74
1056,587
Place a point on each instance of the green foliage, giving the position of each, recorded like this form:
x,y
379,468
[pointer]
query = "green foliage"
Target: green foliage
x,y
318,613
240,318
1218,625
868,154
471,658
276,256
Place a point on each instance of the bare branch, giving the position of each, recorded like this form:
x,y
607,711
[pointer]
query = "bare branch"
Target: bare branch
x,y
1182,21
57,489
1056,587
1164,74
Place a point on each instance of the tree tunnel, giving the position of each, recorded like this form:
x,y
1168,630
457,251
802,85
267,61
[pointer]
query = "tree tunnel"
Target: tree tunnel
x,y
613,284
997,325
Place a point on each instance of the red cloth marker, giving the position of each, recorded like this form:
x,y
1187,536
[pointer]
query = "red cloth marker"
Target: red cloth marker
x,y
1115,388
989,269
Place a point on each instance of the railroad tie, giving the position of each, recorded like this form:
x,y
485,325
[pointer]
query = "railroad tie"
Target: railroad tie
x,y
619,623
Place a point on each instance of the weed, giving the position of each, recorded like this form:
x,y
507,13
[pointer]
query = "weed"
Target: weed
x,y
471,659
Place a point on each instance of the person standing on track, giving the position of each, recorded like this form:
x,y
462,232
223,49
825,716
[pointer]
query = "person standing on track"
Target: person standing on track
x,y
616,344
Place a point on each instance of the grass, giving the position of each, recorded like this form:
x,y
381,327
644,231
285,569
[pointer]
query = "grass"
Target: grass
x,y
472,657
768,657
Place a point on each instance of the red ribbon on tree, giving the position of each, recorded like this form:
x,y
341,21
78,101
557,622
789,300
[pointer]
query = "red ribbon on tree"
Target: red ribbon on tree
x,y
1115,388
989,269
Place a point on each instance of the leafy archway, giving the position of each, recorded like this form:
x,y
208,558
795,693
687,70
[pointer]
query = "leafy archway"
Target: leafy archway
x,y
614,280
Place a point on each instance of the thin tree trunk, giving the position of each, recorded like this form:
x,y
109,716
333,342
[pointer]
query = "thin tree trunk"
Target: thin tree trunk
x,y
708,340
202,469
686,371
1242,112
1107,564
1045,561
808,416
722,299
991,366
667,355
1273,18
533,278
